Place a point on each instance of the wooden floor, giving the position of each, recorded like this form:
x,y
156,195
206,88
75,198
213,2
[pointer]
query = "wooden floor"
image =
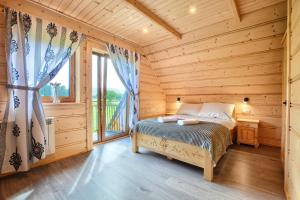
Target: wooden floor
x,y
111,172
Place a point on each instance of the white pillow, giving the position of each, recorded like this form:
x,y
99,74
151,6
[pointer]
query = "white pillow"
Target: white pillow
x,y
217,110
189,109
218,115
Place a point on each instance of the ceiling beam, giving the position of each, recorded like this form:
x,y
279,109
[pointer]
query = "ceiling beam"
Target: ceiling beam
x,y
148,13
235,9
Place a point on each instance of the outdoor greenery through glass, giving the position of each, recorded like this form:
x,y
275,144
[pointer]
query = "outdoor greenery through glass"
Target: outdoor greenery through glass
x,y
63,77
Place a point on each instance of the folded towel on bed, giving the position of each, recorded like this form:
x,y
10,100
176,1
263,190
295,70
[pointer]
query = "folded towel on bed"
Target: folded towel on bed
x,y
187,122
167,119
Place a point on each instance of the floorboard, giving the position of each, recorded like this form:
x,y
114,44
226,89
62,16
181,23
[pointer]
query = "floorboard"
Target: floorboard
x,y
112,172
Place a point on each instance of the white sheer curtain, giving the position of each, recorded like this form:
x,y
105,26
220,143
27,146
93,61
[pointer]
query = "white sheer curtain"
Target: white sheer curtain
x,y
36,50
127,65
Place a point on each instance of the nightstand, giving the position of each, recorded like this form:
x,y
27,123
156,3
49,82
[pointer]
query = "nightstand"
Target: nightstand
x,y
248,132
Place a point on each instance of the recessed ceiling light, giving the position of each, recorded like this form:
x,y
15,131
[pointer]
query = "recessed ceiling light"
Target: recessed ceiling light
x,y
145,30
192,9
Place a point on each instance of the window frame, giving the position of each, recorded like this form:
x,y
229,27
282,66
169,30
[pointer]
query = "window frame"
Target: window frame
x,y
71,97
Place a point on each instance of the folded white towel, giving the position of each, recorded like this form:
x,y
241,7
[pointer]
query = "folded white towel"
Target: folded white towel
x,y
167,119
187,122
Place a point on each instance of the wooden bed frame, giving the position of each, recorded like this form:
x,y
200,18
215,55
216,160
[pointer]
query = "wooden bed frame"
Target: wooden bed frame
x,y
172,149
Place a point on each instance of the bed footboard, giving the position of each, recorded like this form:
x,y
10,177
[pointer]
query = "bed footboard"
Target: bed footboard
x,y
177,150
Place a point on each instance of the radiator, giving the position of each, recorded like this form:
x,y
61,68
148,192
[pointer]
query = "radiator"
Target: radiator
x,y
50,122
50,126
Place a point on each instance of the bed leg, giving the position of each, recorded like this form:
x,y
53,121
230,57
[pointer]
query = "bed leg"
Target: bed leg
x,y
208,168
134,145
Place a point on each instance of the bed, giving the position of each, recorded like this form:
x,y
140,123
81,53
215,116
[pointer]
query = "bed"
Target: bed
x,y
201,144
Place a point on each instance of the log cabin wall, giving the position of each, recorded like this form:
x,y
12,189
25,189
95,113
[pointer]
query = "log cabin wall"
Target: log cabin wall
x,y
152,97
72,135
226,62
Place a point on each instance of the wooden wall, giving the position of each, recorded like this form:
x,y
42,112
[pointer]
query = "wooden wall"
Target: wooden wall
x,y
152,97
293,152
226,62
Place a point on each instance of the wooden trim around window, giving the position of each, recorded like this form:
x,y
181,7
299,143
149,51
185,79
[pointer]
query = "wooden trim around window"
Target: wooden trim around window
x,y
71,97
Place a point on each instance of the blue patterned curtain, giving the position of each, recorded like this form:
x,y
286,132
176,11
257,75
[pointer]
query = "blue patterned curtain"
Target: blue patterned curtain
x,y
36,51
127,65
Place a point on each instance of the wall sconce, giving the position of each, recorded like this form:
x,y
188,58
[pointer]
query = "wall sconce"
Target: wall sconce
x,y
246,106
178,103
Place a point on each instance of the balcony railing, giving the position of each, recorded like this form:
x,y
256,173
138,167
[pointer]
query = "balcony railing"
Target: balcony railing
x,y
115,113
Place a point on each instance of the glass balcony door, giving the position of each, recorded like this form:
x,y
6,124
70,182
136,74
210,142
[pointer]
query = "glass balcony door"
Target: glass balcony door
x,y
109,100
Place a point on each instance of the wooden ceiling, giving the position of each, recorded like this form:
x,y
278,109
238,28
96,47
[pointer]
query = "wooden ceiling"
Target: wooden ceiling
x,y
120,18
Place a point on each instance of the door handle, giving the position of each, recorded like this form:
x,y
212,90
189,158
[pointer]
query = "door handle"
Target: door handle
x,y
284,103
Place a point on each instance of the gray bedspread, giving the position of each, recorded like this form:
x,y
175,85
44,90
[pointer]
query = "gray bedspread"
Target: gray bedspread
x,y
213,137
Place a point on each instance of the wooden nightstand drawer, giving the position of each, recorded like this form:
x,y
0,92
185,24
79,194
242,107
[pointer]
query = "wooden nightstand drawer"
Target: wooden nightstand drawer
x,y
247,124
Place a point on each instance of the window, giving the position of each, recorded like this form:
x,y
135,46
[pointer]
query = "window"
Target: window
x,y
66,78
